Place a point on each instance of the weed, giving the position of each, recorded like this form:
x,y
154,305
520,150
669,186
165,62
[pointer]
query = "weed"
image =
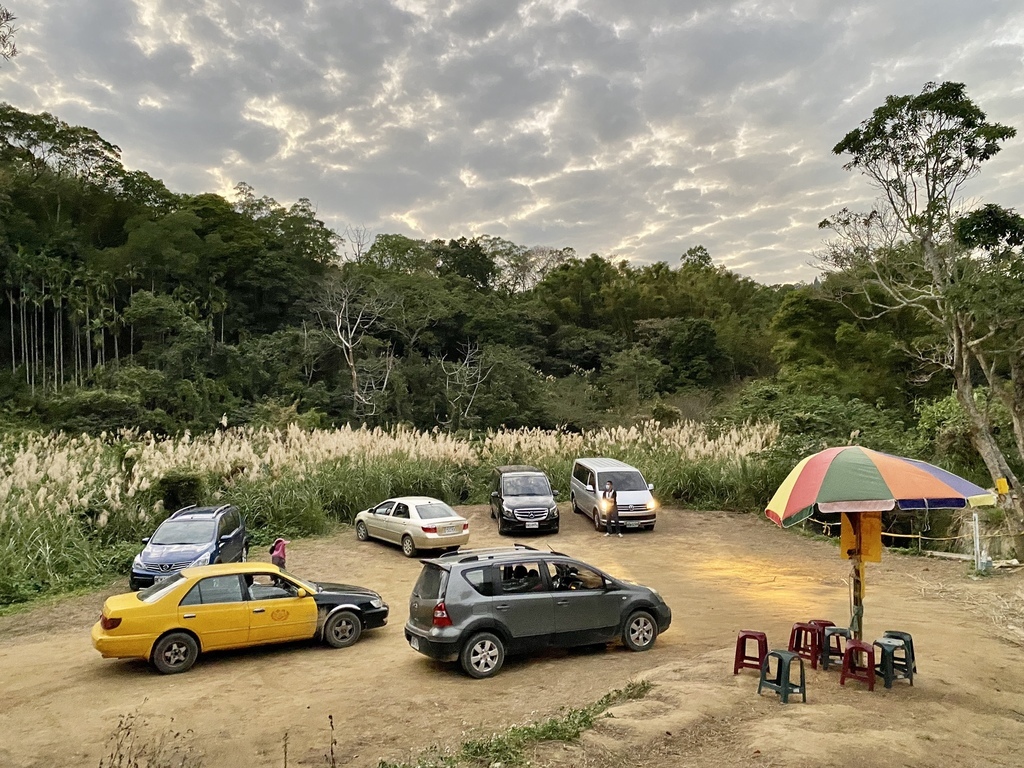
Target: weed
x,y
508,748
129,746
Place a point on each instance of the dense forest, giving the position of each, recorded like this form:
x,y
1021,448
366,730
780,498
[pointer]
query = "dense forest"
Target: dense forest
x,y
128,305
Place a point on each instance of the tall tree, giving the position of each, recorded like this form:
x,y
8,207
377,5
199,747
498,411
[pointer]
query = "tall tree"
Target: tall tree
x,y
919,151
8,50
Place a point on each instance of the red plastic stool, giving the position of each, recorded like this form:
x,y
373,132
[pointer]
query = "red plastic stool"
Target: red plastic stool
x,y
804,642
742,660
852,670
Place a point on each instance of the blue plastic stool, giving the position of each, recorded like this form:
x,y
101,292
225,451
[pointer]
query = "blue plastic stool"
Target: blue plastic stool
x,y
831,647
890,666
908,640
782,684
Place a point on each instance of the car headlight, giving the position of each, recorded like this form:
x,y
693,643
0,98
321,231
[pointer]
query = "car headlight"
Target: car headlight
x,y
203,559
506,511
652,504
554,510
377,602
137,562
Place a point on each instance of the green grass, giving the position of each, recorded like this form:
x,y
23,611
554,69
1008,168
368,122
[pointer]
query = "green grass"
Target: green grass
x,y
510,747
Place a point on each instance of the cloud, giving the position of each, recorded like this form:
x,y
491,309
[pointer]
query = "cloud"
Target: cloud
x,y
634,130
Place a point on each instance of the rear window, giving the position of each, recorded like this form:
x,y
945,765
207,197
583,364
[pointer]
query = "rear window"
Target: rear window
x,y
435,511
159,588
431,583
624,480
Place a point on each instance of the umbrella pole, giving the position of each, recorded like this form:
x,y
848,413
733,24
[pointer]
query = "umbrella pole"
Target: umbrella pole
x,y
857,583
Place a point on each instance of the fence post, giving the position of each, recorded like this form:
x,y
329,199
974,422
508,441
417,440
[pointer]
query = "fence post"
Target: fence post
x,y
977,544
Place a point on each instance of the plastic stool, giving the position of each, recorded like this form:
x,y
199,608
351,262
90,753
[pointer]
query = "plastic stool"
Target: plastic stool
x,y
742,660
908,641
889,666
803,641
782,684
832,645
851,670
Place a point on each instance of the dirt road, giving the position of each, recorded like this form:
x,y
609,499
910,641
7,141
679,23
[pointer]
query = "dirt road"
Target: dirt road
x,y
719,572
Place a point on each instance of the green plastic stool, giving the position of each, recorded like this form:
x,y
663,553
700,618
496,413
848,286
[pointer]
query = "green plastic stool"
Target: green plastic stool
x,y
782,683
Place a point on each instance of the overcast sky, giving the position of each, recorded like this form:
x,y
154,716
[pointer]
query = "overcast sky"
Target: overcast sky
x,y
629,128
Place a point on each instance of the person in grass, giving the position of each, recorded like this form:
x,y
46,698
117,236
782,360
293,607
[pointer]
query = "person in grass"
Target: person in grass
x,y
277,552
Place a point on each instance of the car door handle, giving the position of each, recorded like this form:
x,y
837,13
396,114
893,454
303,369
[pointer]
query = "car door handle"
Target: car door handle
x,y
259,610
189,616
562,602
503,607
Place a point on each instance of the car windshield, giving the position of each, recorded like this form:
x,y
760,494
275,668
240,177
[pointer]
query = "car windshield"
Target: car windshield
x,y
435,511
623,481
526,485
159,588
308,586
184,532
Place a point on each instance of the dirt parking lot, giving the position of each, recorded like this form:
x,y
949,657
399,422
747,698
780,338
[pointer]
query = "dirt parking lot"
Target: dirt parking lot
x,y
719,572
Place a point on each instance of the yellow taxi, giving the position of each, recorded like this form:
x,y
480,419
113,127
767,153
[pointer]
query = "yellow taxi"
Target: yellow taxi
x,y
231,605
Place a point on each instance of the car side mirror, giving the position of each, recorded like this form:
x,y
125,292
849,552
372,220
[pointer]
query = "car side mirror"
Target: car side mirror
x,y
225,538
494,494
302,593
590,488
650,486
145,540
554,494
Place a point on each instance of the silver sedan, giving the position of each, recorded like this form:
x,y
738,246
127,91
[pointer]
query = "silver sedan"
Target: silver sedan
x,y
415,523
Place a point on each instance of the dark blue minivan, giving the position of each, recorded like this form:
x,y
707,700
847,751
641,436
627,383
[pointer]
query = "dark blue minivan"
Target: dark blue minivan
x,y
191,536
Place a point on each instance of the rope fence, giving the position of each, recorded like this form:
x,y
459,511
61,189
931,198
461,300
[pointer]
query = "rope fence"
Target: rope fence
x,y
828,526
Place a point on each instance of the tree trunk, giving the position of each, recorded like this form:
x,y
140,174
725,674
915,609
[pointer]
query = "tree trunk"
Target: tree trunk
x,y
980,428
10,302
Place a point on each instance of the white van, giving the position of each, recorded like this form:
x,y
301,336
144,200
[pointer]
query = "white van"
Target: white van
x,y
637,507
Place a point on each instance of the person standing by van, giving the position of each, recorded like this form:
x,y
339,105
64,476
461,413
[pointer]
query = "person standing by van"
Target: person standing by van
x,y
609,498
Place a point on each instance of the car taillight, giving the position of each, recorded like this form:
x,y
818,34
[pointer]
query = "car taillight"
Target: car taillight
x,y
109,623
465,526
430,529
441,618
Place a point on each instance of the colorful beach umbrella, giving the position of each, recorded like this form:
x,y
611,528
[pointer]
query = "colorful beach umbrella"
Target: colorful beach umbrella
x,y
861,484
857,479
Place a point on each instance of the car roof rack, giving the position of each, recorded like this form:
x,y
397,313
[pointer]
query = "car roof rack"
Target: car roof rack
x,y
469,555
183,509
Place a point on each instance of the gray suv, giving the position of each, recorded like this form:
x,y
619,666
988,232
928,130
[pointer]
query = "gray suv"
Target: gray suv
x,y
477,605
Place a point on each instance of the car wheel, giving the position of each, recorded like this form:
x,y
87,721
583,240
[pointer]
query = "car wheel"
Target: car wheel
x,y
576,510
640,632
408,546
597,521
175,652
501,528
342,629
483,655
361,533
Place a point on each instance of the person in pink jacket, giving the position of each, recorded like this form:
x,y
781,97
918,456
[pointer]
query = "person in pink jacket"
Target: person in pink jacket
x,y
277,552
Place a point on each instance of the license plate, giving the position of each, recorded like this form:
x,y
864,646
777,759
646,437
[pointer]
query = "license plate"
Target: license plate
x,y
632,524
162,577
533,525
449,529
414,642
